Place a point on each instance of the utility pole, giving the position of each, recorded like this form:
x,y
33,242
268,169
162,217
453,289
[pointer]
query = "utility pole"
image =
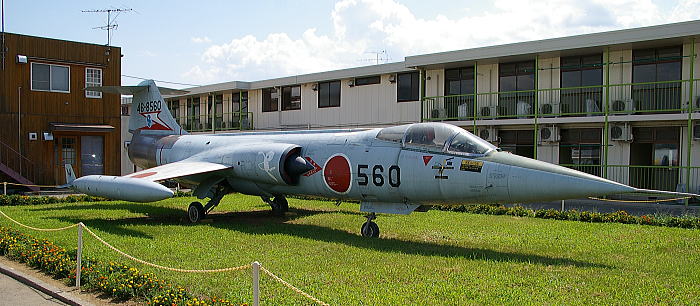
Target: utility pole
x,y
111,24
3,50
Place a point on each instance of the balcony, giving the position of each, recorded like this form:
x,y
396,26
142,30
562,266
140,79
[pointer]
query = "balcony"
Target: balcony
x,y
614,99
234,121
668,178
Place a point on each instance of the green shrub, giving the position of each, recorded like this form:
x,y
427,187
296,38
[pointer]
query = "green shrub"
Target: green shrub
x,y
117,280
17,200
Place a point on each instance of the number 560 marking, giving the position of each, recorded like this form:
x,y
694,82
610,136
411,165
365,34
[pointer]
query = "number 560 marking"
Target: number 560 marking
x,y
378,175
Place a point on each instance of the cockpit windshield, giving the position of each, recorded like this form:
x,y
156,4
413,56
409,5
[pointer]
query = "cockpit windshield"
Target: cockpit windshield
x,y
435,136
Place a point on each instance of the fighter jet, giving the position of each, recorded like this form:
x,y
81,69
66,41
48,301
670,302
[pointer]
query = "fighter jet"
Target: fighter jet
x,y
396,169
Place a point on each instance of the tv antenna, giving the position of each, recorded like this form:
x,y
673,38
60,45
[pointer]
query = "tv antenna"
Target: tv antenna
x,y
111,24
380,57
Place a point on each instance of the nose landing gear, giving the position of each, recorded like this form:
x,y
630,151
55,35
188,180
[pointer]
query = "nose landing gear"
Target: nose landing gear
x,y
369,228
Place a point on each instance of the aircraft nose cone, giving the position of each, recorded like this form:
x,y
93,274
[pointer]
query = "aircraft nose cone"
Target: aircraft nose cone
x,y
533,180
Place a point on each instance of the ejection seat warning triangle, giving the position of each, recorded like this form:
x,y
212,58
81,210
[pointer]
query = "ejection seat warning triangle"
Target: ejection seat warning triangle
x,y
426,159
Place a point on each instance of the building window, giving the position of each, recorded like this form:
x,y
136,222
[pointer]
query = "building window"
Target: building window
x,y
47,77
291,98
329,94
459,85
193,116
368,80
580,71
174,106
219,111
407,87
657,65
654,157
580,149
93,77
125,109
516,77
270,99
520,142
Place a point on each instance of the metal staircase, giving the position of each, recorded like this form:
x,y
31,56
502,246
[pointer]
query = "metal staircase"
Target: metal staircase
x,y
17,166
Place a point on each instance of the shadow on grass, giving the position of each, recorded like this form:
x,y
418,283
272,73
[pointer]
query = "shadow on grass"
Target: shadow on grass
x,y
262,223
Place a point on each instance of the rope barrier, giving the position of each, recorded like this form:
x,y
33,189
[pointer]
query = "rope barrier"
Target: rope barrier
x,y
292,287
30,185
639,201
39,229
243,267
159,266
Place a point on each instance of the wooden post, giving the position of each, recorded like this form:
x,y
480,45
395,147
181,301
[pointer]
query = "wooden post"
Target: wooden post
x,y
79,256
256,283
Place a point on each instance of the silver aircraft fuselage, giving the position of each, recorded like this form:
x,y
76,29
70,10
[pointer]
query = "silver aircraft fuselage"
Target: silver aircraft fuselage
x,y
355,164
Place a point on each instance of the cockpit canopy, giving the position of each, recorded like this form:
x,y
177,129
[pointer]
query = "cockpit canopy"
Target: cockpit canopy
x,y
436,137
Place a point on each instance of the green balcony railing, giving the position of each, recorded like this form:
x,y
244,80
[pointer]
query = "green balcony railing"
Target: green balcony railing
x,y
631,98
221,122
668,178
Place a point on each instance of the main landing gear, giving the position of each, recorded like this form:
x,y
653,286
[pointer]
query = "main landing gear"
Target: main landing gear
x,y
278,204
369,228
196,212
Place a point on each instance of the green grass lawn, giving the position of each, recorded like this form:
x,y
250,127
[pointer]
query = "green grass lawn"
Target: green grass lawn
x,y
432,258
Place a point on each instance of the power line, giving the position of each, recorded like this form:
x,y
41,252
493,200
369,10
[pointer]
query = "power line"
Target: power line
x,y
159,81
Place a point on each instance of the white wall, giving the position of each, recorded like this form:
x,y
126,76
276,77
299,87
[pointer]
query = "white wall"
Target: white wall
x,y
367,105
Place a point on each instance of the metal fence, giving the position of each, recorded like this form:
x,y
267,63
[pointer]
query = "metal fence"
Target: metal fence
x,y
668,178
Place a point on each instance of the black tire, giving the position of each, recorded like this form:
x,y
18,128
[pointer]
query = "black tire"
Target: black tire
x,y
279,206
282,202
195,212
370,229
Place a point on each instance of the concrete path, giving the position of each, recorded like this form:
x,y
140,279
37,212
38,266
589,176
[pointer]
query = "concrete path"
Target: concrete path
x,y
14,292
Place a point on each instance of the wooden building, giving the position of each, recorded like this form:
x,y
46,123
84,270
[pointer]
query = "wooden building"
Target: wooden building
x,y
47,119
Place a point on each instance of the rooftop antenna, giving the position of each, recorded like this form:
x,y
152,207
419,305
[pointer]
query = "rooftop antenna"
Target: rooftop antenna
x,y
111,24
380,56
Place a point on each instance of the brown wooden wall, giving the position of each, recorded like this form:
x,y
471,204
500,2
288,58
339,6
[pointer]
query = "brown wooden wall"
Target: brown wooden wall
x,y
36,109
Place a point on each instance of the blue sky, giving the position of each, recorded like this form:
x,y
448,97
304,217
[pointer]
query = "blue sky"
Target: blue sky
x,y
204,42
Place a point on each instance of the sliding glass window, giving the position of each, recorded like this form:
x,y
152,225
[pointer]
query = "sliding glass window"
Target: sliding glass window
x,y
662,65
516,77
459,87
581,71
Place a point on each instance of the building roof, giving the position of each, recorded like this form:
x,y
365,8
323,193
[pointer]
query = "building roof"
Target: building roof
x,y
667,33
619,37
299,79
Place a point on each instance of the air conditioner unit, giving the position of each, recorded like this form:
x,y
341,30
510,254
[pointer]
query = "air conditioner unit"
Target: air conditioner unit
x,y
621,132
549,134
488,112
622,106
488,133
438,113
696,131
550,109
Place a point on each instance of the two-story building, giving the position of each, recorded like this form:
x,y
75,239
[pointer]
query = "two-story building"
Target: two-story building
x,y
621,104
47,119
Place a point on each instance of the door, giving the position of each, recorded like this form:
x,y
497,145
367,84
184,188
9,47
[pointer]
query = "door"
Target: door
x,y
66,153
91,155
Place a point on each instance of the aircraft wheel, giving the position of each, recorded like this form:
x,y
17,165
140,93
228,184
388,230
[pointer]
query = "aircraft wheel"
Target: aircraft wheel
x,y
279,206
282,203
195,212
370,229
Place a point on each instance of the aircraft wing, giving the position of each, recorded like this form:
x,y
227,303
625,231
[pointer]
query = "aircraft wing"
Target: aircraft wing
x,y
176,169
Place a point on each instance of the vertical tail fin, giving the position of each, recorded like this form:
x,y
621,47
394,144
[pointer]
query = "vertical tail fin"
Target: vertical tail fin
x,y
149,112
70,174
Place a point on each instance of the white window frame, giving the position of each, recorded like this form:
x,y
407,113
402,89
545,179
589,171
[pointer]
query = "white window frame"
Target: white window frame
x,y
31,77
89,93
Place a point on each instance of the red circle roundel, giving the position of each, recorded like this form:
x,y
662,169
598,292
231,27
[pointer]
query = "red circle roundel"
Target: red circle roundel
x,y
336,173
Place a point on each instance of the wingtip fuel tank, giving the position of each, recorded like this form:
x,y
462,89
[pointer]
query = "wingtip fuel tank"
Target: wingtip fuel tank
x,y
122,188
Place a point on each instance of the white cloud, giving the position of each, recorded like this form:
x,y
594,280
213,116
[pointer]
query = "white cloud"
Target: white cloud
x,y
360,26
199,40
